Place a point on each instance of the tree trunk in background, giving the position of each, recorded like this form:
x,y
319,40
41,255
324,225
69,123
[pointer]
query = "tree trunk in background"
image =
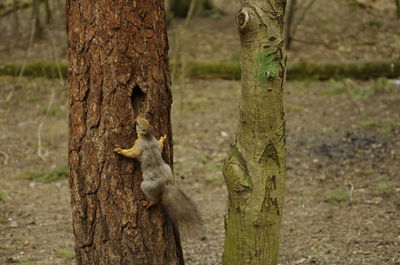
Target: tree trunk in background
x,y
180,8
16,20
48,11
38,28
118,69
397,8
289,22
255,167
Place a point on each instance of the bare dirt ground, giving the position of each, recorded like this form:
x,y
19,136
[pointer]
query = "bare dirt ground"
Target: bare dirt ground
x,y
343,186
343,144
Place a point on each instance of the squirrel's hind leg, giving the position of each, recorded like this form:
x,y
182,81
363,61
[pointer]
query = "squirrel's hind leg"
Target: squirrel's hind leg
x,y
148,204
152,191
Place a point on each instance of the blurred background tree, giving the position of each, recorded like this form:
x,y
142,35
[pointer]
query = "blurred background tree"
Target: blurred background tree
x,y
180,8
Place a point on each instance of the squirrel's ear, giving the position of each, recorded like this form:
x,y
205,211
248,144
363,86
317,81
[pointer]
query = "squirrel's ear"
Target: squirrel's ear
x,y
143,124
139,121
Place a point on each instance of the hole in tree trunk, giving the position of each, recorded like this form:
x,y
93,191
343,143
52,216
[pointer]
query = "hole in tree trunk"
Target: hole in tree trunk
x,y
137,99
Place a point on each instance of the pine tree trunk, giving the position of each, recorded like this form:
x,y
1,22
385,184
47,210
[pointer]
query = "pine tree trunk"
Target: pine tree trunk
x,y
118,70
255,167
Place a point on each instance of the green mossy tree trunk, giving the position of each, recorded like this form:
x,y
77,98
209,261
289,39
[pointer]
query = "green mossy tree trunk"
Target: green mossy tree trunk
x,y
255,167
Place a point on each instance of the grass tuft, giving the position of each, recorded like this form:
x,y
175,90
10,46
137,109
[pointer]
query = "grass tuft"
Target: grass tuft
x,y
66,253
385,189
2,195
384,126
47,176
388,126
337,195
26,262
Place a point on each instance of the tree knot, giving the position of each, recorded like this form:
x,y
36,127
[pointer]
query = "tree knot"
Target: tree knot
x,y
242,17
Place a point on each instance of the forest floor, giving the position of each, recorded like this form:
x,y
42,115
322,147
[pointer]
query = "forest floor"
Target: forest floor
x,y
343,185
342,202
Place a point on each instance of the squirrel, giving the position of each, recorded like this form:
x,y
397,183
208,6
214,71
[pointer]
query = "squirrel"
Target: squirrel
x,y
158,182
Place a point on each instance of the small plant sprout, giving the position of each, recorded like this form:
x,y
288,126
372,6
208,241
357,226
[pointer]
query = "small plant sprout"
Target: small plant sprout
x,y
385,189
338,195
47,176
66,253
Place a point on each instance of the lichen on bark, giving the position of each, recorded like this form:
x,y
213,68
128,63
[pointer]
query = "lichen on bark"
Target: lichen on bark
x,y
268,66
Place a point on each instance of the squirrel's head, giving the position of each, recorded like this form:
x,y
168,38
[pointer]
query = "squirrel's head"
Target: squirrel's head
x,y
143,126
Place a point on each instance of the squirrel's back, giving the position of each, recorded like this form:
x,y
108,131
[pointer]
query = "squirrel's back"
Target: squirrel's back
x,y
158,179
151,156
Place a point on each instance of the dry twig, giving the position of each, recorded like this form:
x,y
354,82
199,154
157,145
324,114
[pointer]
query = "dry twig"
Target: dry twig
x,y
39,135
28,51
6,157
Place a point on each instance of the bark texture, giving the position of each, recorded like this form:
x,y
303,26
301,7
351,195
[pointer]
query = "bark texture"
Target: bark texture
x,y
118,69
255,167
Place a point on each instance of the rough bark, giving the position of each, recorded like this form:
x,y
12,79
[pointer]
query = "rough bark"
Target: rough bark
x,y
255,167
118,69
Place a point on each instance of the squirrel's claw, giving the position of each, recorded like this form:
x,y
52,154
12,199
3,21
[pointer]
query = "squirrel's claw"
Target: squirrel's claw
x,y
118,150
148,204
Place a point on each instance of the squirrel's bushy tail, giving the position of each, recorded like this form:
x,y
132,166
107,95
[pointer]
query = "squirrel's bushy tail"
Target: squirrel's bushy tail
x,y
182,211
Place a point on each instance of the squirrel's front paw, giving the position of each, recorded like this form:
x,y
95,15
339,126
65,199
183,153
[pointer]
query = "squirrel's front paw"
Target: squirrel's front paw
x,y
163,138
118,150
